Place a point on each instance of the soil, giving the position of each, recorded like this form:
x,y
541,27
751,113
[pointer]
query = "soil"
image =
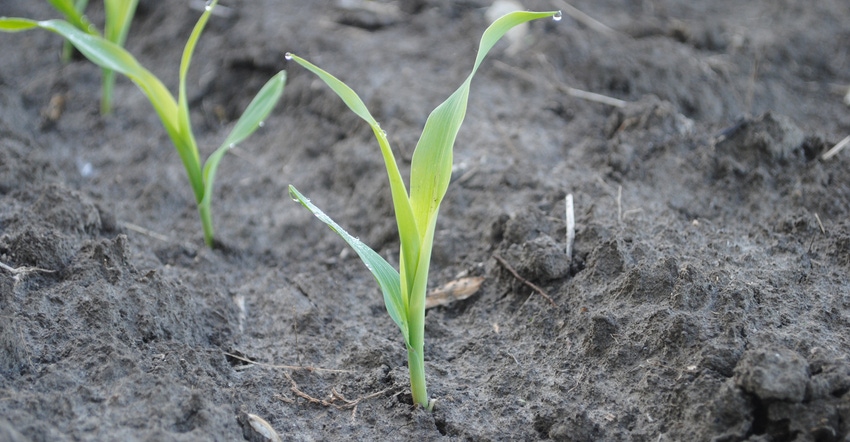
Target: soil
x,y
707,297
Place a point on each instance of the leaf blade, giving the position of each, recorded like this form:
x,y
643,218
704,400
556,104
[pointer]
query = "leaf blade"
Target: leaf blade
x,y
388,278
184,122
108,55
410,243
259,108
430,170
16,24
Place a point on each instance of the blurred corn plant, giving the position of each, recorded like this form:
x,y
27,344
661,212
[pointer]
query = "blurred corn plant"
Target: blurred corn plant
x,y
118,17
174,113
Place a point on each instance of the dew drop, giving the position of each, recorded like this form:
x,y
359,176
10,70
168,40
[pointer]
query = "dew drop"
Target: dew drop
x,y
384,132
262,124
288,56
232,145
558,16
208,6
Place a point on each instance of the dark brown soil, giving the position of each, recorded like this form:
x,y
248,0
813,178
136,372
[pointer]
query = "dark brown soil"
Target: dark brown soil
x,y
708,296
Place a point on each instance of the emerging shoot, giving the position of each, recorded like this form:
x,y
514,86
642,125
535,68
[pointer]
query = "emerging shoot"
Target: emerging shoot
x,y
416,211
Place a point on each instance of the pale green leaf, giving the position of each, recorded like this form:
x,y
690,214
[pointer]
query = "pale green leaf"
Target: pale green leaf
x,y
407,225
15,24
108,55
431,167
257,111
387,277
119,17
74,15
183,120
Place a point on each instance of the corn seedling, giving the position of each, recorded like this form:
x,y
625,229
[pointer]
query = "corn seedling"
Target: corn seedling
x,y
416,212
174,113
118,17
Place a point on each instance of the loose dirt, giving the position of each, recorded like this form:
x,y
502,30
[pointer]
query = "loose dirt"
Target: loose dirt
x,y
707,297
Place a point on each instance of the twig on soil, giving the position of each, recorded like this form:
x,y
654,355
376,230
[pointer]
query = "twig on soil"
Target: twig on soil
x,y
22,272
287,367
571,227
587,20
835,149
822,230
144,231
334,397
573,92
619,204
523,280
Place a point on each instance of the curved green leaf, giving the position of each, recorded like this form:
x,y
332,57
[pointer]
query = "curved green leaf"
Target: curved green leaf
x,y
387,277
15,24
108,55
407,223
74,15
183,120
257,111
119,16
431,167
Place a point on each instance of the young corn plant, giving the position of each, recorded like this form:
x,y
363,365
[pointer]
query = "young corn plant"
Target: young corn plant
x,y
118,17
174,113
416,212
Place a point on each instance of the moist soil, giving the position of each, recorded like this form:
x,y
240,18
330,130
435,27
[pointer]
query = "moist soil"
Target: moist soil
x,y
707,296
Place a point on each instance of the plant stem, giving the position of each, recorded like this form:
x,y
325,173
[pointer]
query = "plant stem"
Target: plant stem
x,y
206,222
107,86
416,351
416,364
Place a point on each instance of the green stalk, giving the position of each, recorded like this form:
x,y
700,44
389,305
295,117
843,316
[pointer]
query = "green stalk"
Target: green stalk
x,y
119,16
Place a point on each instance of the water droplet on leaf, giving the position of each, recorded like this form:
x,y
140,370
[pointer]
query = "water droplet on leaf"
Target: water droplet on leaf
x,y
558,15
288,56
208,6
262,123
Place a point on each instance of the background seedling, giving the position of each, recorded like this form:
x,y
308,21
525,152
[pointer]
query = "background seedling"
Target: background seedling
x,y
174,114
416,212
118,17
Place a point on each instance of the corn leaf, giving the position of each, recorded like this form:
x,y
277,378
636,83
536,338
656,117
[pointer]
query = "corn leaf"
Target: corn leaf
x,y
111,56
183,119
74,14
431,167
257,111
108,55
407,224
119,16
387,277
15,24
